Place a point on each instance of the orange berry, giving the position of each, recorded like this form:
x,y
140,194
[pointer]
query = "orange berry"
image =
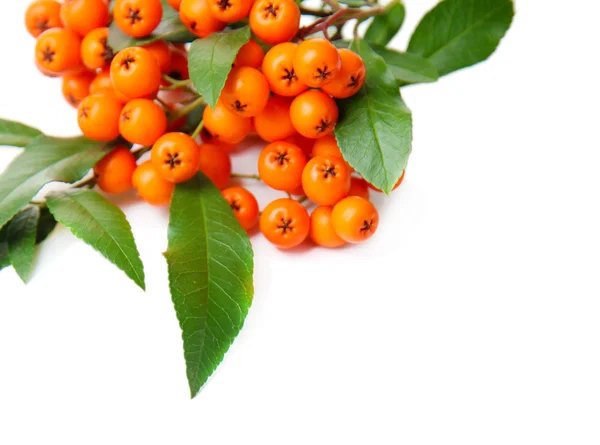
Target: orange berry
x,y
246,91
280,165
275,21
321,229
278,68
398,183
244,206
273,123
151,186
42,15
81,16
359,187
316,62
251,54
98,116
76,87
57,51
178,69
142,122
135,73
314,114
103,83
176,157
225,126
216,164
327,145
197,18
354,219
137,18
350,78
114,172
230,10
326,180
162,53
174,4
95,52
305,144
285,223
208,138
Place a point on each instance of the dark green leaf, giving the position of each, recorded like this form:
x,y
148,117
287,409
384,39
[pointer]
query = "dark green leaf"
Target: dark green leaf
x,y
170,29
384,27
16,134
46,225
460,33
21,240
375,129
211,58
102,225
210,275
45,160
407,67
4,258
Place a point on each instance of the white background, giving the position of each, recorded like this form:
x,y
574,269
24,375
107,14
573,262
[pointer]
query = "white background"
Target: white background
x,y
472,317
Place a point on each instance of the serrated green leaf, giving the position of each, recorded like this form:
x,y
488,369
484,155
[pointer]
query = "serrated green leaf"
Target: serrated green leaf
x,y
4,258
46,225
460,33
210,275
406,67
210,60
384,27
102,225
16,134
375,128
21,236
170,29
46,160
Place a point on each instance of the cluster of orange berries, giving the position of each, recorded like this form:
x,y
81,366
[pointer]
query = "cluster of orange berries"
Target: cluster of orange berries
x,y
285,96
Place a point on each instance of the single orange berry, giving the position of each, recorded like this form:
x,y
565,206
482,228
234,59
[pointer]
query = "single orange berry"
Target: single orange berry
x,y
114,172
316,62
273,123
278,68
208,138
359,187
230,10
326,179
151,186
244,206
246,91
42,15
285,223
398,183
142,122
76,87
162,53
275,21
197,18
314,114
135,73
305,144
215,163
351,77
98,116
225,126
354,219
174,4
81,16
251,54
137,18
103,83
280,165
95,51
178,68
57,51
327,145
176,157
321,229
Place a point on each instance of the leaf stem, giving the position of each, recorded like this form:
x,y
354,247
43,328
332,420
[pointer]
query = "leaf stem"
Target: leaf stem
x,y
186,109
174,83
314,12
198,129
245,176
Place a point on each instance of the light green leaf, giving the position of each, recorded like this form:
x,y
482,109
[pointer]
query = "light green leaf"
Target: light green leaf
x,y
384,27
21,236
460,33
210,274
375,129
407,67
170,29
102,225
45,160
210,60
16,134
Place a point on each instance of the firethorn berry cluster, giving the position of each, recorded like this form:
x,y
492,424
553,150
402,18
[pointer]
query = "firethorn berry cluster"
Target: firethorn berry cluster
x,y
139,98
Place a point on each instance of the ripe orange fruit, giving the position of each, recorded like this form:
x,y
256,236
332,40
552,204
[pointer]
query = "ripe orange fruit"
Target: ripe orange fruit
x,y
285,223
162,53
176,156
76,87
354,219
314,114
114,172
251,54
327,145
326,180
225,126
137,18
273,123
198,19
95,51
42,15
359,187
81,16
350,78
316,62
246,91
244,206
230,10
98,116
174,4
321,229
215,163
151,186
142,122
57,51
280,165
275,21
135,73
278,68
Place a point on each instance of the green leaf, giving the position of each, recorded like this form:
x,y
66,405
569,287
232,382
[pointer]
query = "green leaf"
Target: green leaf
x,y
406,67
210,274
46,160
460,33
46,225
21,238
384,27
170,29
102,225
17,134
4,258
210,61
375,129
